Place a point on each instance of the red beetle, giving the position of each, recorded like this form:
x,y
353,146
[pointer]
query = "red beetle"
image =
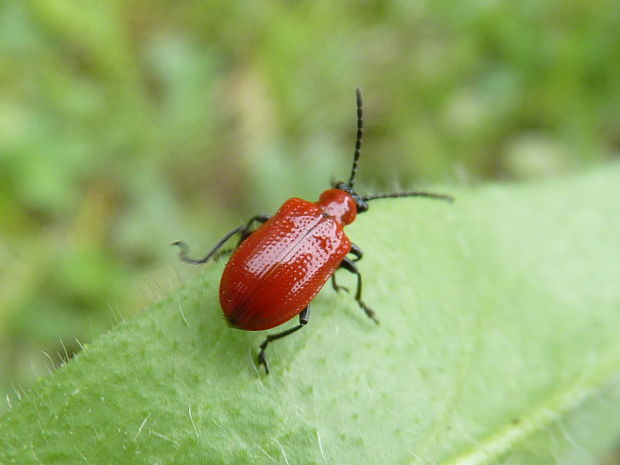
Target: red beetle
x,y
279,267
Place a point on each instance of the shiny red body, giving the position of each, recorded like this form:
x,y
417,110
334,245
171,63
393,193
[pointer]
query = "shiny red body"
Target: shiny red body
x,y
275,273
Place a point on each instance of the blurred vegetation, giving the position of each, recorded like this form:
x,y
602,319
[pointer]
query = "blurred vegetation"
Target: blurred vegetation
x,y
127,125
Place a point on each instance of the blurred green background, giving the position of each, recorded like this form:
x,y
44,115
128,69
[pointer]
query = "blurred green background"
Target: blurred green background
x,y
127,125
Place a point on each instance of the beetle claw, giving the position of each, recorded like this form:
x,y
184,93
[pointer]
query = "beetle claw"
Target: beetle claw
x,y
370,313
262,360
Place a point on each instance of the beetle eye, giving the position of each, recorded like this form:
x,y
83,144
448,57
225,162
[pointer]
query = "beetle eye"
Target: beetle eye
x,y
362,205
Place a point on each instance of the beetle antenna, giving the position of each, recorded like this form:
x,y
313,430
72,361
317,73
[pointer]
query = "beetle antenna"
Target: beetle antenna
x,y
358,138
394,195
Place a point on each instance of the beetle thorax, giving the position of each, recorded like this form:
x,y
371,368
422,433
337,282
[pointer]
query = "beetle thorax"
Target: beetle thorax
x,y
338,204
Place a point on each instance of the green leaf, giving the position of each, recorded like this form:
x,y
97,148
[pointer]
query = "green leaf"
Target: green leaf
x,y
498,343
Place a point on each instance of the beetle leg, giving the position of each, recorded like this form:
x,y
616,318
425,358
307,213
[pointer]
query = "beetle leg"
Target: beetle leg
x,y
358,253
222,253
245,233
212,252
304,316
355,250
215,252
247,230
350,265
335,285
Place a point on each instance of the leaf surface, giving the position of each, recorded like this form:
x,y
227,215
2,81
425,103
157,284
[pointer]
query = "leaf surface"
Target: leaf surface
x,y
498,343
